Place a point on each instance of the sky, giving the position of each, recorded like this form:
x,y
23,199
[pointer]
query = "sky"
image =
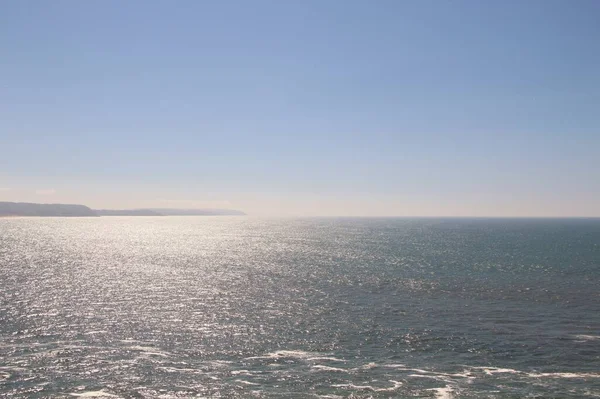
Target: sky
x,y
303,108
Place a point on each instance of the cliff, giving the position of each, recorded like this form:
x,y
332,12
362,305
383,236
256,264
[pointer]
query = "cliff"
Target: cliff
x,y
29,209
126,212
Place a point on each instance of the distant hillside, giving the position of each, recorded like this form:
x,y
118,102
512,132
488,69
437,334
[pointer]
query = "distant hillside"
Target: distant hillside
x,y
198,212
126,212
29,209
168,212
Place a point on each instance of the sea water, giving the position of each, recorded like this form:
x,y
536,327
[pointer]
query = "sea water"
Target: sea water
x,y
172,307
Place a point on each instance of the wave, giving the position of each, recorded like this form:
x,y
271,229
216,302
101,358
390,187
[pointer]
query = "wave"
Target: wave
x,y
283,353
242,372
326,358
565,375
179,370
95,394
443,393
395,385
246,382
464,374
497,370
584,337
327,368
149,350
296,354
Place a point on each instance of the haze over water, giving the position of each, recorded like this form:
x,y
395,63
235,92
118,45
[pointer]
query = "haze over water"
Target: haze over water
x,y
244,307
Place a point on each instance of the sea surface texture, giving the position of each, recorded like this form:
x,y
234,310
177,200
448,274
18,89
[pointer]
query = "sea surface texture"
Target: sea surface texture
x,y
177,307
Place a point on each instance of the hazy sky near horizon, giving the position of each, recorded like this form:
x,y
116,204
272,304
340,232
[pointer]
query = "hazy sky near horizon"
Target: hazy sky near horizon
x,y
330,107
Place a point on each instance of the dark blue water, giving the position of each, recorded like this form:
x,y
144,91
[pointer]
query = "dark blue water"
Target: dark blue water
x,y
239,307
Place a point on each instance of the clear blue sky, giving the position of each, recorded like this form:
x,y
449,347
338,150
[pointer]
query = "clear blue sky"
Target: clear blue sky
x,y
303,107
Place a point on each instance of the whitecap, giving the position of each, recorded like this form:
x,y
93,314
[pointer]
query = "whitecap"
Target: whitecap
x,y
178,370
434,377
149,350
246,382
367,366
584,337
497,370
464,374
443,393
241,372
325,358
352,386
564,375
327,368
221,364
395,385
95,394
295,354
395,366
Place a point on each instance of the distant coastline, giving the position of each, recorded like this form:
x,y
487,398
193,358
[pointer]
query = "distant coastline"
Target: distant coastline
x,y
20,209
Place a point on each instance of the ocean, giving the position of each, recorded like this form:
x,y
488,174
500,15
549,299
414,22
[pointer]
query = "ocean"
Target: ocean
x,y
226,307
